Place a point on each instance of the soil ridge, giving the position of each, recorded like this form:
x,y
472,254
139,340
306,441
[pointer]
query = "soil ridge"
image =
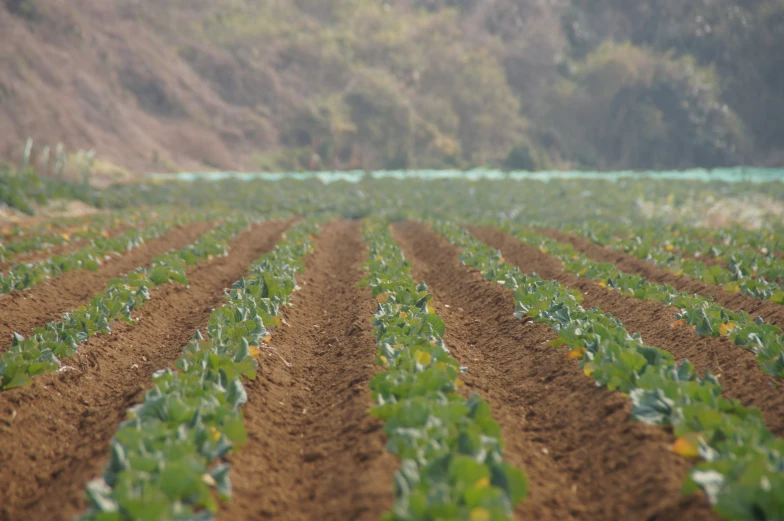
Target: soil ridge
x,y
60,436
585,457
314,451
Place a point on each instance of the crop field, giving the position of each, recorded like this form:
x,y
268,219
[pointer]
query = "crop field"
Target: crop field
x,y
396,349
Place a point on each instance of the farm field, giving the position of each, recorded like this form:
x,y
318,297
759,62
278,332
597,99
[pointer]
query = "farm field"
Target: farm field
x,y
397,349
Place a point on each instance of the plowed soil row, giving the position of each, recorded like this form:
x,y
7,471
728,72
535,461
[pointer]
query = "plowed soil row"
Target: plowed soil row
x,y
770,311
314,452
60,249
23,311
585,458
59,437
736,367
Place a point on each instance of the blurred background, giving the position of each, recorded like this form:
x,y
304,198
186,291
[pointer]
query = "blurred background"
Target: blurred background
x,y
282,85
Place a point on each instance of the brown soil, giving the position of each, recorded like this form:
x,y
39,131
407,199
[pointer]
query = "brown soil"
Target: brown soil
x,y
60,249
736,367
314,452
770,311
585,458
64,423
23,311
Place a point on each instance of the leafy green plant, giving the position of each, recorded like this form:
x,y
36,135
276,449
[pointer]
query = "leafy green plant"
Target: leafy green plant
x,y
41,352
168,459
42,239
25,276
739,270
702,313
450,447
742,464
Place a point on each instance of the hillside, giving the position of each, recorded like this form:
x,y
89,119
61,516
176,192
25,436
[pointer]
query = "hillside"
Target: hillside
x,y
282,84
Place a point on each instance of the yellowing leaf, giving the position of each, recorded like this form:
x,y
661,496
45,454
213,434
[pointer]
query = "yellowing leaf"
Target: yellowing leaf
x,y
687,447
480,514
254,351
501,260
459,383
726,329
669,247
382,297
430,310
277,321
602,284
105,234
678,323
267,339
403,314
65,236
483,482
575,354
423,357
214,433
384,360
589,369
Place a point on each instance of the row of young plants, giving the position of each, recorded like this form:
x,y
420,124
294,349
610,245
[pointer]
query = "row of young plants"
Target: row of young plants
x,y
46,238
13,231
707,317
720,242
168,458
449,446
41,352
25,276
739,270
729,248
742,468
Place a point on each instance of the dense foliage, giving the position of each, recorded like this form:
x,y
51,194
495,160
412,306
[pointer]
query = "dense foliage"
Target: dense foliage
x,y
450,447
344,84
433,84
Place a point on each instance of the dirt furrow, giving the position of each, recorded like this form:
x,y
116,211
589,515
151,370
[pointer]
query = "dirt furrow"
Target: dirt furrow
x,y
60,249
314,452
585,457
736,367
23,311
63,424
770,311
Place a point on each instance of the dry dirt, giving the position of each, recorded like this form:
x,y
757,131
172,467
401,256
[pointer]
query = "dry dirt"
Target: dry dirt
x,y
23,311
60,437
736,367
314,452
585,458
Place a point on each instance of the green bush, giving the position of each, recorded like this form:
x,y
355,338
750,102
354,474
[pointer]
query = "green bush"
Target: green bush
x,y
625,106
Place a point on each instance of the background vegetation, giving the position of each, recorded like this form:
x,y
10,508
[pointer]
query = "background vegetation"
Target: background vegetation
x,y
523,84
